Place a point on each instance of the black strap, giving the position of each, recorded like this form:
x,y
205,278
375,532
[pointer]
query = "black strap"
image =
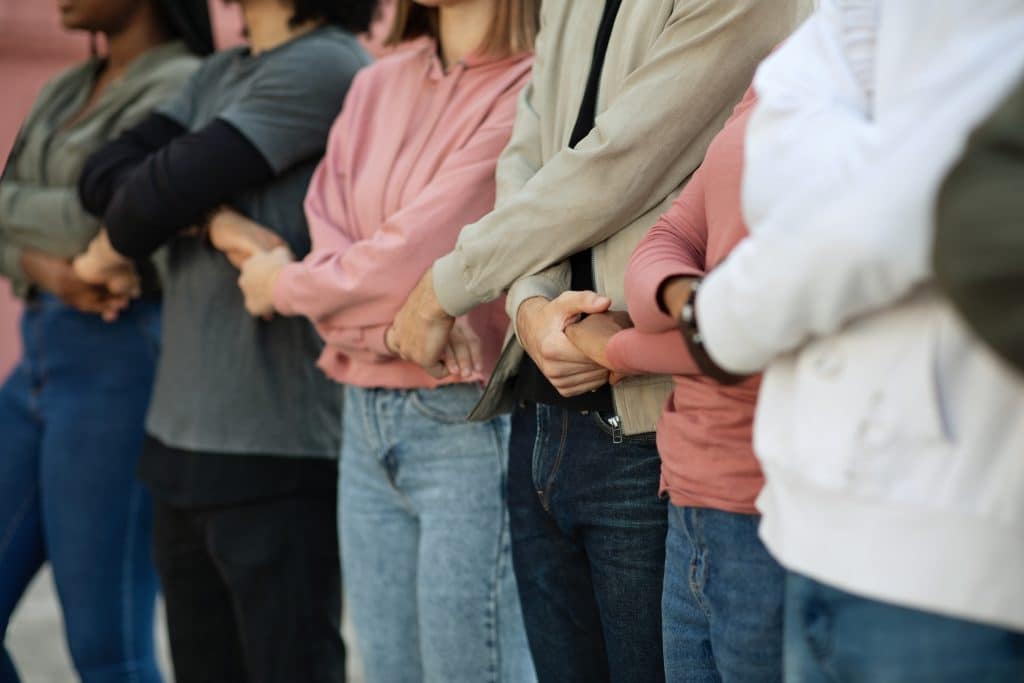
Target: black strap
x,y
531,384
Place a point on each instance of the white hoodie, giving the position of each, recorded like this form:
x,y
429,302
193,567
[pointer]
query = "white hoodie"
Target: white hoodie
x,y
892,440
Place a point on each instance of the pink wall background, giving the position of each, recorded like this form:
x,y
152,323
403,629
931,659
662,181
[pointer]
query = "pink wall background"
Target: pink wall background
x,y
33,48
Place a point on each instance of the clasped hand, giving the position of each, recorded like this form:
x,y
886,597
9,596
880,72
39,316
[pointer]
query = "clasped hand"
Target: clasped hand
x,y
256,251
570,349
570,353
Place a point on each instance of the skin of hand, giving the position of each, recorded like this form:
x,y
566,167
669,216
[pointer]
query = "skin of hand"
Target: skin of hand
x,y
420,332
55,275
591,336
102,266
240,238
673,294
541,325
257,278
462,356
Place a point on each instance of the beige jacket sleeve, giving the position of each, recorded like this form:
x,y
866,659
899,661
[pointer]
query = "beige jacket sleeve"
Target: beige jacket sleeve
x,y
643,145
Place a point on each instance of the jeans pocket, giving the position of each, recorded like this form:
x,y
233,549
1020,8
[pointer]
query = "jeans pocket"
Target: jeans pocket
x,y
449,404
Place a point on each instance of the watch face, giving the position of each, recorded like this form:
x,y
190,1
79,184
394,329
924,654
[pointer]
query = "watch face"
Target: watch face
x,y
687,313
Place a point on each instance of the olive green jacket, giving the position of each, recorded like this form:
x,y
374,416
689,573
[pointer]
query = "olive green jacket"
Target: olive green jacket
x,y
979,245
39,205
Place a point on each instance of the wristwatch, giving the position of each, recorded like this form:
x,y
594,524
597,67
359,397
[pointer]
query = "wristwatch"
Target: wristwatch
x,y
690,328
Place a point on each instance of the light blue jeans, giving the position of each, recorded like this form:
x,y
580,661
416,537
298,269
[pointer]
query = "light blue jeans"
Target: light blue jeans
x,y
425,539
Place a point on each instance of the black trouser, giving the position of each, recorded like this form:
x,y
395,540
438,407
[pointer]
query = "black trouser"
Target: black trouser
x,y
253,591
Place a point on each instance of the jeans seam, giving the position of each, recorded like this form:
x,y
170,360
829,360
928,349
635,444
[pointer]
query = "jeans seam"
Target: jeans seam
x,y
127,641
698,564
492,607
559,456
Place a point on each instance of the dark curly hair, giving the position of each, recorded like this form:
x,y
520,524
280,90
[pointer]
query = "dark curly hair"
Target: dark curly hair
x,y
351,15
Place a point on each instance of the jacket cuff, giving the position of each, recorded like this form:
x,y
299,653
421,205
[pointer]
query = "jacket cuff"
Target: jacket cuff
x,y
726,339
528,288
448,275
10,262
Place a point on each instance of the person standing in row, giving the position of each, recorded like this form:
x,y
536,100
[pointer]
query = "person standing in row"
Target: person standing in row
x,y
423,515
243,430
72,411
890,436
619,112
723,597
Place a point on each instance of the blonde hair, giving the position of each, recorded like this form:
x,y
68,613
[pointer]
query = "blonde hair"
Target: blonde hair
x,y
513,30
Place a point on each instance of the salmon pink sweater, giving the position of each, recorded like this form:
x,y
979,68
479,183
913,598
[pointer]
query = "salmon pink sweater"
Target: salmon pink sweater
x,y
409,162
704,434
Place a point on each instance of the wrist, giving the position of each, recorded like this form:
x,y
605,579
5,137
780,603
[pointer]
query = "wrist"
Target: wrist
x,y
525,314
673,294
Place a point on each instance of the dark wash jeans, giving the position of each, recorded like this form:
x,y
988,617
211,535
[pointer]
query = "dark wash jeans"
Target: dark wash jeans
x,y
832,635
723,601
253,590
71,430
588,545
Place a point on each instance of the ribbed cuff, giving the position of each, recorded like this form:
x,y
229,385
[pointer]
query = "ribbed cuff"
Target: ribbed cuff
x,y
449,281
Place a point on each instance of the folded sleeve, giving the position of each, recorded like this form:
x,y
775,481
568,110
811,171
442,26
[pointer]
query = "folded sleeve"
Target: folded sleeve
x,y
347,282
163,194
639,151
675,247
633,352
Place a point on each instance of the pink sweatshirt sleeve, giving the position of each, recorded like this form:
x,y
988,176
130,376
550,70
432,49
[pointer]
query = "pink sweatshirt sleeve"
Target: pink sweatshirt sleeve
x,y
352,289
675,246
632,352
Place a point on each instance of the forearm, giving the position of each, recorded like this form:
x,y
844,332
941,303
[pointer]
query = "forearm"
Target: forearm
x,y
180,185
633,352
106,169
638,153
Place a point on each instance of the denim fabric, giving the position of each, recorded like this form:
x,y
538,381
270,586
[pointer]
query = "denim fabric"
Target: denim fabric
x,y
425,541
588,542
71,428
253,590
832,635
723,600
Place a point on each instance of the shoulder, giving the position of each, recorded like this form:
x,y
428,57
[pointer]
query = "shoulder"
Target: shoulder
x,y
171,66
327,49
74,76
394,68
212,67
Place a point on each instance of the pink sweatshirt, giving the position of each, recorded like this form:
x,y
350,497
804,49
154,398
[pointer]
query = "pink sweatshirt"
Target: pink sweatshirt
x,y
409,162
704,435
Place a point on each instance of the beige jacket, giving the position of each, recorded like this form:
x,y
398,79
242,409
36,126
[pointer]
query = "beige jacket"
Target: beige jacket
x,y
673,72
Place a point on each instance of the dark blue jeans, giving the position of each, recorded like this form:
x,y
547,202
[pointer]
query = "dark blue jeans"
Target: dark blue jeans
x,y
71,429
588,546
722,607
832,635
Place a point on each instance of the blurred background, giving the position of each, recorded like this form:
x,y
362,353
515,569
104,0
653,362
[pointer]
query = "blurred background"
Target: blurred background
x,y
34,48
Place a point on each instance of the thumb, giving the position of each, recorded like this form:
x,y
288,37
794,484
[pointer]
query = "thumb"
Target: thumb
x,y
573,303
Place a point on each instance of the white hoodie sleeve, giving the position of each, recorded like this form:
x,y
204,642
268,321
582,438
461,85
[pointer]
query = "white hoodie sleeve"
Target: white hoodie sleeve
x,y
838,196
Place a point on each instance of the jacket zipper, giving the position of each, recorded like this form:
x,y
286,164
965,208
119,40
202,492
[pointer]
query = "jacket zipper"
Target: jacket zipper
x,y
617,426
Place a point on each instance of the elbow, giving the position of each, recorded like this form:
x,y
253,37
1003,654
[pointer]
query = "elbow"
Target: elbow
x,y
123,229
